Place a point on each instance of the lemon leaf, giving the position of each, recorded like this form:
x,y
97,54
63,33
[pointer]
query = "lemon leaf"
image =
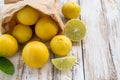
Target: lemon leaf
x,y
6,66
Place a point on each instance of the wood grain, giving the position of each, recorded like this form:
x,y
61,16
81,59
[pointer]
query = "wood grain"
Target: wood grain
x,y
98,54
112,8
76,73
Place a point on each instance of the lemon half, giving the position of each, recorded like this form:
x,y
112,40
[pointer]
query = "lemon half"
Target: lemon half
x,y
75,29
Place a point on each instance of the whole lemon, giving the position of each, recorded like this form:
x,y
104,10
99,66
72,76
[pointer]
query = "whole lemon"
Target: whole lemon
x,y
71,10
46,28
35,54
61,45
8,45
22,33
27,16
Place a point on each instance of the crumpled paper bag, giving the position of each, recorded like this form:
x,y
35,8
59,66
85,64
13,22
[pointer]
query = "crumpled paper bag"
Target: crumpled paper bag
x,y
49,7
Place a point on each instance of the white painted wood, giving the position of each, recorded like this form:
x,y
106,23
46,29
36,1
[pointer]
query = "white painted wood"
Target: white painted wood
x,y
113,19
14,60
97,55
44,73
76,73
1,4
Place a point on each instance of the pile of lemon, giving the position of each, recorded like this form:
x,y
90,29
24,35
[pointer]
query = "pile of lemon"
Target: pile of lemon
x,y
35,53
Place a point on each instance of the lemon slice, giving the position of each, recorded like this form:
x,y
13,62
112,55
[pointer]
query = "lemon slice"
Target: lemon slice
x,y
64,63
75,29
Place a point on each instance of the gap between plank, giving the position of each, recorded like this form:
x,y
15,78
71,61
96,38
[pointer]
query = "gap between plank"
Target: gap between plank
x,y
110,50
109,45
82,46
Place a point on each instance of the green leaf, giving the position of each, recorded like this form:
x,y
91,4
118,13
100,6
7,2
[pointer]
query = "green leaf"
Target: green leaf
x,y
6,66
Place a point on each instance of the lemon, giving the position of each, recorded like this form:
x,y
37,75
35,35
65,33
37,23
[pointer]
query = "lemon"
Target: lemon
x,y
22,33
75,29
60,45
71,10
64,63
8,45
35,54
46,28
27,16
43,15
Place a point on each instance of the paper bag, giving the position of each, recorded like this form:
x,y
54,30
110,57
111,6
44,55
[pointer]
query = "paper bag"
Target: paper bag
x,y
49,7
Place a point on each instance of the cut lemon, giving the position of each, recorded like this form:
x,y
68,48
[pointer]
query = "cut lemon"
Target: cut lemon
x,y
64,63
75,29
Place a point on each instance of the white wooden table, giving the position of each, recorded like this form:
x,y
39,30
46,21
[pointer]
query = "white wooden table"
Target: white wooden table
x,y
98,55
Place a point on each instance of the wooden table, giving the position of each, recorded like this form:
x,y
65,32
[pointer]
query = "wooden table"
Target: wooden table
x,y
98,54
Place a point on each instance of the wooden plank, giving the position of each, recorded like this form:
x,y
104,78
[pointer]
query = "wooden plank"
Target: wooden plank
x,y
44,73
97,55
76,73
19,67
1,6
100,48
112,13
15,60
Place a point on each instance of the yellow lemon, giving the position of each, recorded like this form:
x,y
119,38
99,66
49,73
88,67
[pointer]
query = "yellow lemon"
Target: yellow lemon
x,y
35,54
8,45
71,10
46,28
27,16
22,33
61,45
43,15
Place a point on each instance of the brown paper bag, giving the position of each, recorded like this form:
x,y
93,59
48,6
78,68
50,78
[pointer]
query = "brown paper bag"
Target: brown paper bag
x,y
48,7
10,1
